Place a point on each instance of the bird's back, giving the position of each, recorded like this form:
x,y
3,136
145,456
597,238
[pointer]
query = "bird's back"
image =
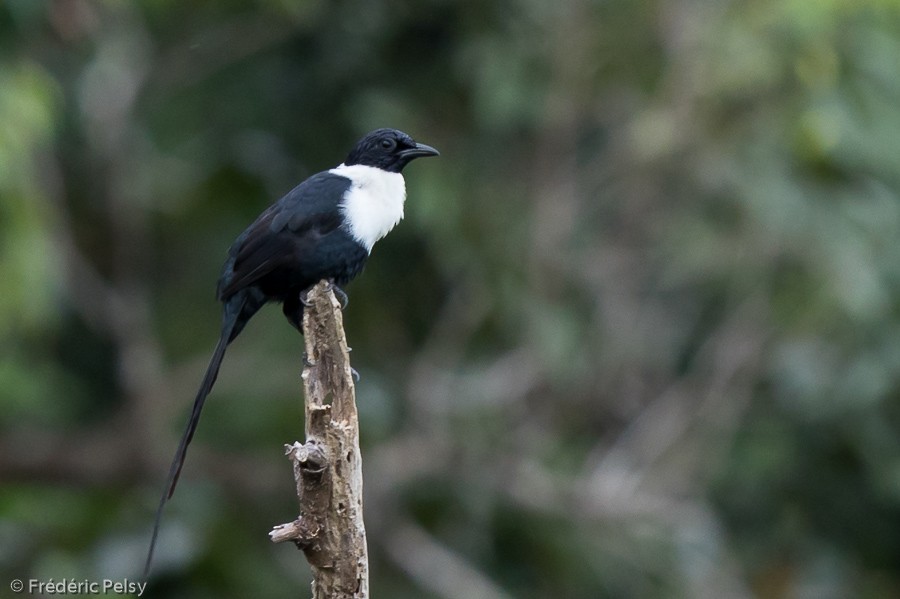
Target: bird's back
x,y
296,242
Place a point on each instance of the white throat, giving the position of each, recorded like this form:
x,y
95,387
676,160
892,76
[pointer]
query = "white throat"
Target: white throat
x,y
374,203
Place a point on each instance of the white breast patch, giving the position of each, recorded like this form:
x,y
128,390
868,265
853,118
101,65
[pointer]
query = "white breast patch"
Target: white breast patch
x,y
374,203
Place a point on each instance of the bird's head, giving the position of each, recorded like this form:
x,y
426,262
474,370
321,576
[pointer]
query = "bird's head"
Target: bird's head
x,y
388,149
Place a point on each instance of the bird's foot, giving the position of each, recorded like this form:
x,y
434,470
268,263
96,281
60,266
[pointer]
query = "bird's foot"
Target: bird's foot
x,y
304,298
339,294
354,374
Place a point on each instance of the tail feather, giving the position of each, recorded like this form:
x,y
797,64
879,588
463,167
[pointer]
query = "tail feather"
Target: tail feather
x,y
231,325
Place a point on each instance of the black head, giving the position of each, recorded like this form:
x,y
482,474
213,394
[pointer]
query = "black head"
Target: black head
x,y
388,149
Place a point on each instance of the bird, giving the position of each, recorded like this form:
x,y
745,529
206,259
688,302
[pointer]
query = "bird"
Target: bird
x,y
323,229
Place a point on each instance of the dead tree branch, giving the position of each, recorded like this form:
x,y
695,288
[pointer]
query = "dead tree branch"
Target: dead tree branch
x,y
328,468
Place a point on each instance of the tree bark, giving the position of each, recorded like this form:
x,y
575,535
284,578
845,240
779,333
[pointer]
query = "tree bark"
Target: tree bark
x,y
328,467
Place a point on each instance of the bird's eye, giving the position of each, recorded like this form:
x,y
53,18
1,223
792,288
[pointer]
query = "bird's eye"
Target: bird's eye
x,y
388,144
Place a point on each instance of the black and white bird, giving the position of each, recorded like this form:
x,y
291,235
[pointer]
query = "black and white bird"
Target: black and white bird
x,y
322,229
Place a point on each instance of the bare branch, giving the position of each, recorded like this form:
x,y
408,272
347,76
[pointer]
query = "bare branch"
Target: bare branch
x,y
328,468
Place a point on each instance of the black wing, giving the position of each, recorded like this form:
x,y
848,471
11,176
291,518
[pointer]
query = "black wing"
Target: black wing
x,y
271,251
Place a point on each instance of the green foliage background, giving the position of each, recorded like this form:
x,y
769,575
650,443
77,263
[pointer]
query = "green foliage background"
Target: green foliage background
x,y
638,336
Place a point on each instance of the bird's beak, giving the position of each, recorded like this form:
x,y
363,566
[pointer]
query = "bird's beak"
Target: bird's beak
x,y
419,151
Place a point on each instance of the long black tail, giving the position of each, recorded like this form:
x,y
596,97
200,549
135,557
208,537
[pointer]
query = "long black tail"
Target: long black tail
x,y
232,322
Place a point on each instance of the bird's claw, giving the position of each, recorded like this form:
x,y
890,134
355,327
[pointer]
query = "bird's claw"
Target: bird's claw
x,y
340,294
304,298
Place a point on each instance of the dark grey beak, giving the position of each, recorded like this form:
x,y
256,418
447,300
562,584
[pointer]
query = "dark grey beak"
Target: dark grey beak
x,y
419,151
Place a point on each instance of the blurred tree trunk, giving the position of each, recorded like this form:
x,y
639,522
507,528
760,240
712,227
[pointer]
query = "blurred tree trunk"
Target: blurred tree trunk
x,y
328,467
